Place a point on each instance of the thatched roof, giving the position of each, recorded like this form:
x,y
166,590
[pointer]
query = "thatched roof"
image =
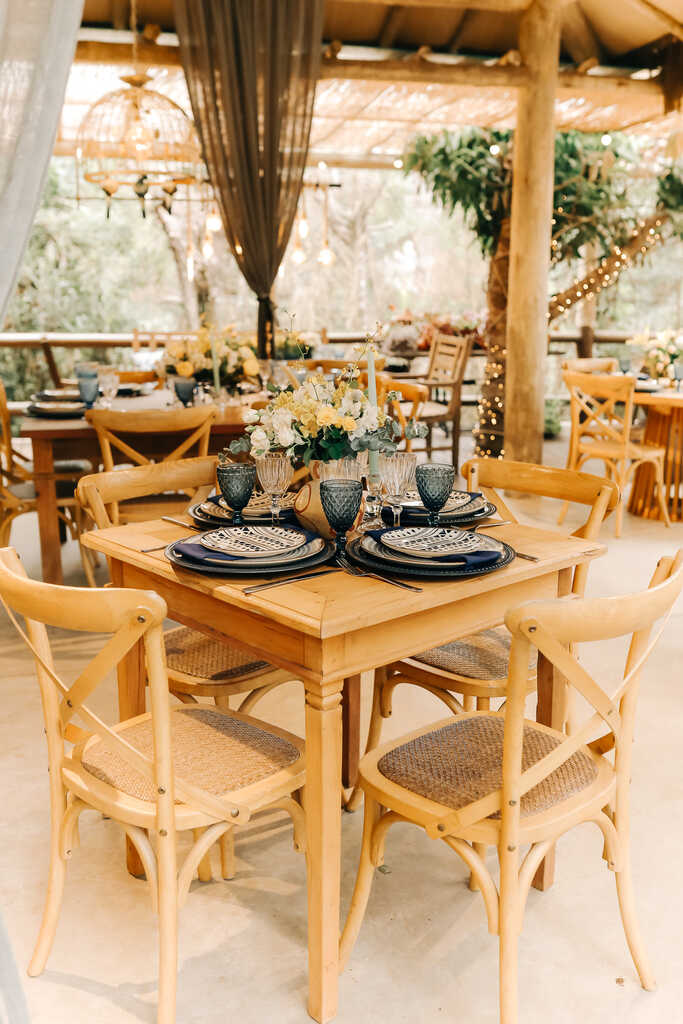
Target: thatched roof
x,y
392,69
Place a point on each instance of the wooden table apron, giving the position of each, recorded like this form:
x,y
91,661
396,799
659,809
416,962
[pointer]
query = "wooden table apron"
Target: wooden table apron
x,y
52,440
664,427
369,624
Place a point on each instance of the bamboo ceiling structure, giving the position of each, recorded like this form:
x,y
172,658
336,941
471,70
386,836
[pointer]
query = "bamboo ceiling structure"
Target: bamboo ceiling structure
x,y
393,69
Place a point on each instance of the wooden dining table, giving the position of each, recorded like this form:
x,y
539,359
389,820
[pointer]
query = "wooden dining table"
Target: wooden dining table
x,y
55,439
663,427
326,631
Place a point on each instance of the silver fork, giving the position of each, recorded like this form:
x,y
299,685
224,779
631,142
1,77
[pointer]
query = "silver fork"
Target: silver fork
x,y
354,570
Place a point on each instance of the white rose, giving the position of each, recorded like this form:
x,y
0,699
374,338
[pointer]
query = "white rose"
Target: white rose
x,y
284,436
259,441
251,415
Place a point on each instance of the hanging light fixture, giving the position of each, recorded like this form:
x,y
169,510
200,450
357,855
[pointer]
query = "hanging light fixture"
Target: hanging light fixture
x,y
137,134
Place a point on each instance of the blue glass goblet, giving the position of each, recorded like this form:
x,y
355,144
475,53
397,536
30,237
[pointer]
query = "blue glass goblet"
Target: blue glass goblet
x,y
236,481
184,388
89,389
434,482
341,501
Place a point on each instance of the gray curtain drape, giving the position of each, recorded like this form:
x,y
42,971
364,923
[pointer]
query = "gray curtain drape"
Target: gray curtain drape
x,y
251,68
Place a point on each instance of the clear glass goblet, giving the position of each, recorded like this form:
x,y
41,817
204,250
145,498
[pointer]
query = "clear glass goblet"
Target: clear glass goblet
x,y
236,481
109,386
397,472
341,500
275,472
434,482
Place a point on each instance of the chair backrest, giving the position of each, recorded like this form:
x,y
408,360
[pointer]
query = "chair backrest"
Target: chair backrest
x,y
124,616
608,364
409,391
601,406
138,377
447,365
552,627
600,495
100,493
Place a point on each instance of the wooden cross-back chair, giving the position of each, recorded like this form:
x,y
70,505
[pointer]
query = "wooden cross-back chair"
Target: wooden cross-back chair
x,y
18,492
137,376
476,667
446,371
584,364
497,779
601,409
167,771
406,408
118,431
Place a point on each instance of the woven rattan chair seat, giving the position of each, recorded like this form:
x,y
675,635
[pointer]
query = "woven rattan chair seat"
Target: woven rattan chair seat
x,y
195,654
212,749
483,655
462,762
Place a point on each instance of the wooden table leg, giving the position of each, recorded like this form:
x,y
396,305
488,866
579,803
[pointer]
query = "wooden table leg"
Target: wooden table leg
x,y
323,829
132,676
350,731
551,710
48,520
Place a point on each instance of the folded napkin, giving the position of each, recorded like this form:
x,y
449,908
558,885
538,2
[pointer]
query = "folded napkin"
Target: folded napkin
x,y
198,553
469,558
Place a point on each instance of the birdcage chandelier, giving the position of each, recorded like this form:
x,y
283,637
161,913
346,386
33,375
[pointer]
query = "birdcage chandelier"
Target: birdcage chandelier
x,y
137,137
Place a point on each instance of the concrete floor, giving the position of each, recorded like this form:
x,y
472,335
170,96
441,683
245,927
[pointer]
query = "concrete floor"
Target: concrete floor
x,y
424,953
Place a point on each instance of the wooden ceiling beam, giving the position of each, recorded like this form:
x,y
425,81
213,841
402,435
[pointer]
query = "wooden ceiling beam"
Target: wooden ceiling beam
x,y
91,51
578,38
477,73
393,23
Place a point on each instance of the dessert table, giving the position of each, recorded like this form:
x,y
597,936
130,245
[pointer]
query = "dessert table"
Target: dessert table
x,y
327,630
53,439
664,427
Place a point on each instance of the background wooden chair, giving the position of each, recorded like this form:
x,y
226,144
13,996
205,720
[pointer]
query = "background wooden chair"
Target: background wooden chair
x,y
476,667
18,490
601,409
446,371
497,779
408,406
168,771
178,432
608,364
137,376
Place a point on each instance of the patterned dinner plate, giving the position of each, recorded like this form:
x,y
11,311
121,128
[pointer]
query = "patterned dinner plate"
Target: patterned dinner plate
x,y
253,541
473,513
245,567
422,569
457,500
56,410
376,550
292,558
431,541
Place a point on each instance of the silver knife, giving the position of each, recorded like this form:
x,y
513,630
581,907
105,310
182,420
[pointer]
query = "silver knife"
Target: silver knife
x,y
290,579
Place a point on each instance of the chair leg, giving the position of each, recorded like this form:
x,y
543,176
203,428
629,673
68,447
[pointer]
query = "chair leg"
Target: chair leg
x,y
374,733
428,441
456,438
364,879
168,929
204,869
509,936
661,495
227,847
630,921
53,902
222,702
619,512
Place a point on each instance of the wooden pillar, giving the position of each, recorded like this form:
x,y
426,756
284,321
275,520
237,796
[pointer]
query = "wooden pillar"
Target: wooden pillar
x,y
531,215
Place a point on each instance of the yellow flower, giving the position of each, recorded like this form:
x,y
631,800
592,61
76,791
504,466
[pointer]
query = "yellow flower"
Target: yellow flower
x,y
175,349
348,423
326,416
184,368
251,367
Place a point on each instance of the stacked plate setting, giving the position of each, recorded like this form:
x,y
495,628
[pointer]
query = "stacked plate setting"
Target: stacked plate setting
x,y
435,552
250,550
215,512
462,509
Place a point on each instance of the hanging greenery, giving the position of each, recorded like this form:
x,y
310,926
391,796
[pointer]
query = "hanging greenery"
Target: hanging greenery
x,y
473,170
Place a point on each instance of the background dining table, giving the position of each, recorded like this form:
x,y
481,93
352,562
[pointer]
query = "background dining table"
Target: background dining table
x,y
328,630
53,439
663,427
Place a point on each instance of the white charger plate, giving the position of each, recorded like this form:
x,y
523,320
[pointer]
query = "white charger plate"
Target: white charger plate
x,y
253,541
431,541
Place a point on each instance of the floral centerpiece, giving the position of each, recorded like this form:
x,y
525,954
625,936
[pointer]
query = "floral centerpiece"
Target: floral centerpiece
x,y
321,420
194,356
660,351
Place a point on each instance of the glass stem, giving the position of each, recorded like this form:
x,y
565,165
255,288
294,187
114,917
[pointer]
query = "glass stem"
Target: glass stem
x,y
275,509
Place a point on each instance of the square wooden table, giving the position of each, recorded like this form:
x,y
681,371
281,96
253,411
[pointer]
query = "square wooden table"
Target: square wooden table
x,y
327,630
